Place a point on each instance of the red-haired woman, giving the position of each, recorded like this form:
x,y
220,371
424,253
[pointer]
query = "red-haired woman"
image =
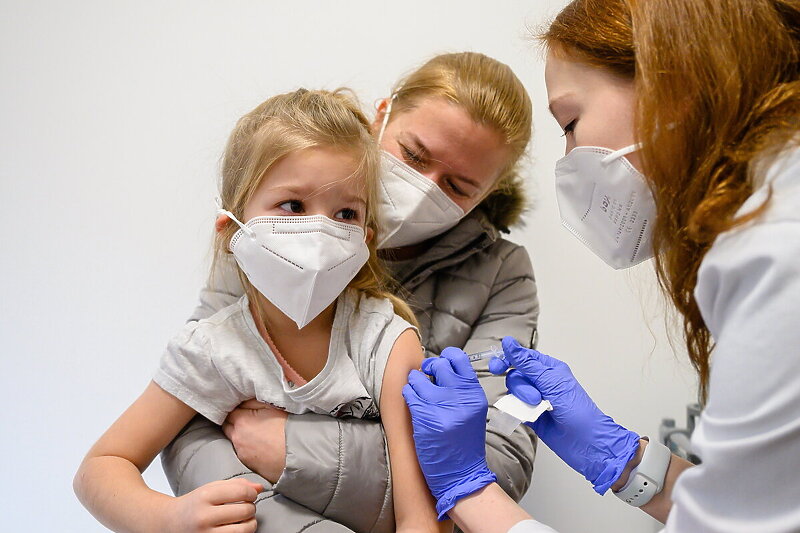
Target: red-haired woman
x,y
681,120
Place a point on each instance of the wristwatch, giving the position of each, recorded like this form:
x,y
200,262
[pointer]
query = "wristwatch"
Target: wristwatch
x,y
647,479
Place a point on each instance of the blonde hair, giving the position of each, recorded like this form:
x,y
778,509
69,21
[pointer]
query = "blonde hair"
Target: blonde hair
x,y
491,94
295,121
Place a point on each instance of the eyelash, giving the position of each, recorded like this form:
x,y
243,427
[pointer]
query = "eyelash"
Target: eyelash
x,y
417,160
456,190
569,128
412,156
352,214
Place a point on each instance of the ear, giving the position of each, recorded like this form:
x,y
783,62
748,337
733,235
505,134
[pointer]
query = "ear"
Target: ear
x,y
221,222
381,106
370,234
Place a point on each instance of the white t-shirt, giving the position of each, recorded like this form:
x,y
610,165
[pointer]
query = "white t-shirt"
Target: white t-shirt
x,y
215,364
748,437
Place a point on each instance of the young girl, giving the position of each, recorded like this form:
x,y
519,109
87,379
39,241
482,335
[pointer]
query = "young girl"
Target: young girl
x,y
315,330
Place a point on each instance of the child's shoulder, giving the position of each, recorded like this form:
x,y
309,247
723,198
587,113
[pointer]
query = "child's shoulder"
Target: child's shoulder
x,y
225,323
371,320
362,307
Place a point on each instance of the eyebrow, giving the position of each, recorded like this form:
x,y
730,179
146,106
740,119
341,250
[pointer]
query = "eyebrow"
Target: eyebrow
x,y
416,140
354,199
556,100
302,192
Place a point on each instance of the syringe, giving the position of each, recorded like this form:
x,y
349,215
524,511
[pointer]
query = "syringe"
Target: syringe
x,y
493,351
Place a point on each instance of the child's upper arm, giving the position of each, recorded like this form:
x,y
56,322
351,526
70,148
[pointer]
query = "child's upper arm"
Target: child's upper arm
x,y
406,355
413,504
145,428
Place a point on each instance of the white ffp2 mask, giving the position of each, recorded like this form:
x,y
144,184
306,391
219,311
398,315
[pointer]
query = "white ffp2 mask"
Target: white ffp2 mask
x,y
412,207
606,203
299,263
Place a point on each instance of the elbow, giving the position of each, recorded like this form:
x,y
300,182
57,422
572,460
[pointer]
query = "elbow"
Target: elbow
x,y
79,482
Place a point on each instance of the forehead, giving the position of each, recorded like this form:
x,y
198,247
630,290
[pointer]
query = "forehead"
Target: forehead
x,y
318,169
453,137
566,77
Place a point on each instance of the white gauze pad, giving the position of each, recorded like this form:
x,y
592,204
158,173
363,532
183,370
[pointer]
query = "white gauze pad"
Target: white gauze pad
x,y
513,411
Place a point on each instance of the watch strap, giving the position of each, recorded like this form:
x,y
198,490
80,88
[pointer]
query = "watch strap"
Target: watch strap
x,y
647,479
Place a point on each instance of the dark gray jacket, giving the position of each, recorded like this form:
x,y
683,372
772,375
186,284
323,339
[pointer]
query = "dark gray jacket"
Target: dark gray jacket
x,y
469,290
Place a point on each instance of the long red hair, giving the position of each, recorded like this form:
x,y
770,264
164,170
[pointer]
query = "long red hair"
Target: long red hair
x,y
717,92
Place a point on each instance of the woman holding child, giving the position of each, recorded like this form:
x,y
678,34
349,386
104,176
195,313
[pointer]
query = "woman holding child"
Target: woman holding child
x,y
456,129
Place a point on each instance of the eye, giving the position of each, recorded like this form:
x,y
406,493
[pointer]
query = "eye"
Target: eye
x,y
569,128
347,214
293,206
456,190
411,156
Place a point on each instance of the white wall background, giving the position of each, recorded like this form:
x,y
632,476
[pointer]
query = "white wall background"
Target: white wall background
x,y
114,115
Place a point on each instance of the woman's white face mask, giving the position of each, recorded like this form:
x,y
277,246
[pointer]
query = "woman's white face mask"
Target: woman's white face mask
x,y
438,165
412,207
606,203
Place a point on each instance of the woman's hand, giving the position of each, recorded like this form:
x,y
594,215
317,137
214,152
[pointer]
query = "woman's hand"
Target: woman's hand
x,y
258,434
449,420
226,503
576,430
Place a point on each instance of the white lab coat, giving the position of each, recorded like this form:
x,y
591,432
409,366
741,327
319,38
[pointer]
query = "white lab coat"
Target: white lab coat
x,y
748,437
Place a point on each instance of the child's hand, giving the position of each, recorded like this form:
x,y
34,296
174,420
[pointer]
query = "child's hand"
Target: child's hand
x,y
220,503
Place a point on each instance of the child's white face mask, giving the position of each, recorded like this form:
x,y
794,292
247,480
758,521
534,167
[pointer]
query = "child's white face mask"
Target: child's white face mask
x,y
299,263
606,203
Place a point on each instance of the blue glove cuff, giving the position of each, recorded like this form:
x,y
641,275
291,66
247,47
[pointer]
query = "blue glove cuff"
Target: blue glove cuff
x,y
613,469
473,482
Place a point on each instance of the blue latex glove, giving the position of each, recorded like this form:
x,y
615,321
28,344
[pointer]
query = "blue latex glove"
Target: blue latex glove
x,y
449,419
583,436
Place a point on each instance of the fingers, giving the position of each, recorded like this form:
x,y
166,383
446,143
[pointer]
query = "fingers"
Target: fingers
x,y
235,415
254,404
497,365
232,513
411,397
426,365
232,491
248,526
424,389
459,361
527,361
522,388
442,371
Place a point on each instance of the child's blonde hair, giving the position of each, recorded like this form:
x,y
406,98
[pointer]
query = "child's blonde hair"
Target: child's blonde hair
x,y
294,121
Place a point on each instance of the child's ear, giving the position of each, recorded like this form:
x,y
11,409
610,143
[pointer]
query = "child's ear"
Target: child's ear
x,y
370,234
221,222
381,107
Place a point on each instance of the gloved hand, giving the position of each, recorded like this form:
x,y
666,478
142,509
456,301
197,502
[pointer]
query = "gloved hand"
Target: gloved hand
x,y
578,432
449,419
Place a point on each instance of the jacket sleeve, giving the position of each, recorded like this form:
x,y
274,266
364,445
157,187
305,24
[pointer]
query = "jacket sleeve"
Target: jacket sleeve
x,y
346,460
201,454
512,309
222,289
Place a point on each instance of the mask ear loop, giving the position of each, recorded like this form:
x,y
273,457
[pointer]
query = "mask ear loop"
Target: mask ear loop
x,y
386,117
248,231
613,156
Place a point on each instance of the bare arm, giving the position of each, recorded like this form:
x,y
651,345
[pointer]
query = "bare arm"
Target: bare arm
x,y
110,485
490,510
414,506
